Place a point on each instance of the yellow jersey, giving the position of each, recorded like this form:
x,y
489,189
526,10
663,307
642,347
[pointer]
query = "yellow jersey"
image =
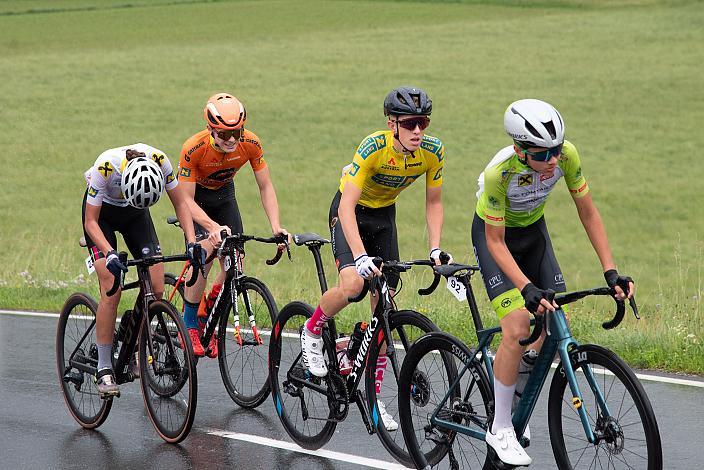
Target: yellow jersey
x,y
382,173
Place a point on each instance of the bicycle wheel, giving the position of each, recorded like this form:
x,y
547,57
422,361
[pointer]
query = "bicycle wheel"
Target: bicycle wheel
x,y
626,430
406,326
244,367
76,350
173,292
437,366
304,411
167,364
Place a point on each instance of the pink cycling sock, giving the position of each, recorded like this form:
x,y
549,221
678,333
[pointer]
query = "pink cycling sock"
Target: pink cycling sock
x,y
314,325
380,369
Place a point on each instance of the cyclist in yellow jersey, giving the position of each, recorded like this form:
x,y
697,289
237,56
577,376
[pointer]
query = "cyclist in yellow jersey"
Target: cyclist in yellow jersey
x,y
514,251
362,214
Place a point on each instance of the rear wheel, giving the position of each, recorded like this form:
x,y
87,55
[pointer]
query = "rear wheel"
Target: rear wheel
x,y
77,361
406,326
437,366
244,367
302,401
624,425
168,371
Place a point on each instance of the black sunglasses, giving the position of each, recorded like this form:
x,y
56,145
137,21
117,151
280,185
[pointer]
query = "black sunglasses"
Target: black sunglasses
x,y
410,124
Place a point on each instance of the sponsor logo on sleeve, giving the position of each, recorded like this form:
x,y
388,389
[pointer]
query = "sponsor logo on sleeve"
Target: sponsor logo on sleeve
x,y
354,170
495,281
438,174
185,172
158,158
506,303
493,202
106,169
92,192
170,177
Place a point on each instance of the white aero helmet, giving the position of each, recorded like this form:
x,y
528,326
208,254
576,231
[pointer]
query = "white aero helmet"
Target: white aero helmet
x,y
534,123
142,182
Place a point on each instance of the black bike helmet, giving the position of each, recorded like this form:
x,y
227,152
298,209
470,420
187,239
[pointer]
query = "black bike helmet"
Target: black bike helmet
x,y
407,100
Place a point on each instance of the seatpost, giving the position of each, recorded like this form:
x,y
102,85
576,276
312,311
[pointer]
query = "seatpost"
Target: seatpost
x,y
315,249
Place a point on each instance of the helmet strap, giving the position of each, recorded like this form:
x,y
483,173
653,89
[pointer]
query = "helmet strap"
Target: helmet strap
x,y
398,139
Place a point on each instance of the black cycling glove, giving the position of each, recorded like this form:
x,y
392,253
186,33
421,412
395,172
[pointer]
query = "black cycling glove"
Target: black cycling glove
x,y
532,296
113,263
196,255
613,279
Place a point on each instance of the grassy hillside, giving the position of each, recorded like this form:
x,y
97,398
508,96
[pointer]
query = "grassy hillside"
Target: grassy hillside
x,y
82,76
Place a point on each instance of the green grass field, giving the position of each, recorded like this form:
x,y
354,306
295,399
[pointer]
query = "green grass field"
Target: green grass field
x,y
79,77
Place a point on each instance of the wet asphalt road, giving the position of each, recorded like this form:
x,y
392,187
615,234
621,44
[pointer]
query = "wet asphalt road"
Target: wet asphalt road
x,y
37,431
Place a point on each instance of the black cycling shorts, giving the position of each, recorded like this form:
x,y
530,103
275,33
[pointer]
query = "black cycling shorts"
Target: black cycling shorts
x,y
221,206
531,248
135,225
377,229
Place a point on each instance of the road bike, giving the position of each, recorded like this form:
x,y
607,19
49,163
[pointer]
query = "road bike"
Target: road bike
x,y
311,407
166,363
599,416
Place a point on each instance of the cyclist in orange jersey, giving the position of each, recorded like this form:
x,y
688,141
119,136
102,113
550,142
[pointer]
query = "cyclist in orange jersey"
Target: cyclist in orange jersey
x,y
209,161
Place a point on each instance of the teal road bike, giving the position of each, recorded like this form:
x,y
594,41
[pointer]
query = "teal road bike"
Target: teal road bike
x,y
599,416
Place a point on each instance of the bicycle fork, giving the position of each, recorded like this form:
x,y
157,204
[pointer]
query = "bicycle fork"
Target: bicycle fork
x,y
252,321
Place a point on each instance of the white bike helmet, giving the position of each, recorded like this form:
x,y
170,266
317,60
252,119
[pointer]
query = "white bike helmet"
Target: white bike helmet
x,y
534,123
142,182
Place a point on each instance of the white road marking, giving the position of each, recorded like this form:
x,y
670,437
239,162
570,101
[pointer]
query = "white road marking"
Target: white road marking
x,y
641,376
329,454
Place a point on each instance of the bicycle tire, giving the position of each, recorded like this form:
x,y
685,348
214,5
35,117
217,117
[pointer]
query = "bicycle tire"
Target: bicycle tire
x,y
623,394
419,396
177,300
406,326
168,359
84,402
244,369
284,356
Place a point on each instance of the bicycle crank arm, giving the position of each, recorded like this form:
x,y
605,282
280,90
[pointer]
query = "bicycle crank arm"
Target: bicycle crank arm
x,y
363,411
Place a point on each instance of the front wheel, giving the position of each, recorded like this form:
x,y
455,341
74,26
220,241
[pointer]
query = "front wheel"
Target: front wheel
x,y
381,382
619,412
168,372
242,354
438,379
76,355
302,401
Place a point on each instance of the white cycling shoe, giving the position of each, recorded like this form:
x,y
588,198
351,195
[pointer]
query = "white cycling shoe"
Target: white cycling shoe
x,y
507,448
389,423
313,359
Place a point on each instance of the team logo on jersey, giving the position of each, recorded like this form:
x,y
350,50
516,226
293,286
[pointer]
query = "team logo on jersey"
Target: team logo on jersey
x,y
354,170
92,192
223,175
333,222
169,178
392,161
438,175
158,158
505,303
106,169
579,172
493,202
525,180
185,172
371,145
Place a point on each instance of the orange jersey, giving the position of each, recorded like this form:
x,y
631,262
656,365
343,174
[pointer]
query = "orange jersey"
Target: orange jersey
x,y
202,163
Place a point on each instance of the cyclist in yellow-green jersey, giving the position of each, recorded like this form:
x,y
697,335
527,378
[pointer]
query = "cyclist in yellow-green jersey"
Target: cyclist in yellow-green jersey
x,y
514,251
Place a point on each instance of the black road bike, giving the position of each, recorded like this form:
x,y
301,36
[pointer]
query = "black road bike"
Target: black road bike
x,y
311,407
155,329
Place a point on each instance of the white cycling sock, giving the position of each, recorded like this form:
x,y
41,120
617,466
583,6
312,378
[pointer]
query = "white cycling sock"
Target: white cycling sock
x,y
503,398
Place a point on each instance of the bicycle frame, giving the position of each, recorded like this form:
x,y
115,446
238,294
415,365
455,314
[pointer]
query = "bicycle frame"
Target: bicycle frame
x,y
558,340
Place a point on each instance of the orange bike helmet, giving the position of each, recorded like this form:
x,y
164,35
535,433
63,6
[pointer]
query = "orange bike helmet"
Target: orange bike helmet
x,y
224,111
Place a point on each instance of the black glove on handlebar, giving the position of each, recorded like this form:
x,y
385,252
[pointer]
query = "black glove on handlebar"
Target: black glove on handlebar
x,y
532,296
613,279
114,265
196,255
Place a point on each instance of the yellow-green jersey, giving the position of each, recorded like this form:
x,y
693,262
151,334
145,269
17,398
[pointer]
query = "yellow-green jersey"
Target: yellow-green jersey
x,y
512,194
382,173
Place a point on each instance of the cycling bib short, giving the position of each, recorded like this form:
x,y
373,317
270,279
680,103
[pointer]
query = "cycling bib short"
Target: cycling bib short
x,y
532,249
135,225
221,206
377,229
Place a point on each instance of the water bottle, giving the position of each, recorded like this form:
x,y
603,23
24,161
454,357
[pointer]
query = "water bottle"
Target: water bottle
x,y
124,322
343,361
356,340
524,369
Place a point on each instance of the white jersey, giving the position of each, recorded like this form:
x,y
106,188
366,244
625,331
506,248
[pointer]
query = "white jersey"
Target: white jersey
x,y
104,177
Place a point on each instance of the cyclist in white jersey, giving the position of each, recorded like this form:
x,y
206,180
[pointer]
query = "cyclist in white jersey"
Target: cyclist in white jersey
x,y
514,251
122,184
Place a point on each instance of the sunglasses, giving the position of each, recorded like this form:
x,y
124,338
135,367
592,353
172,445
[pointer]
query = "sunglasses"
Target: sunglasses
x,y
410,124
542,155
227,135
